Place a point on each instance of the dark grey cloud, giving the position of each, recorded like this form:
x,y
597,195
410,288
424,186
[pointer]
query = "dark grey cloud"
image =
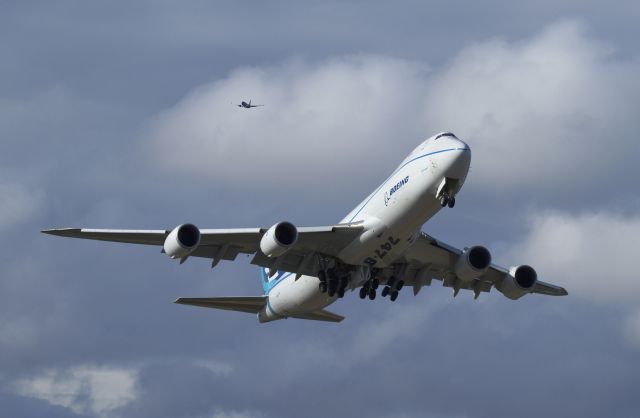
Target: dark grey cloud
x,y
83,85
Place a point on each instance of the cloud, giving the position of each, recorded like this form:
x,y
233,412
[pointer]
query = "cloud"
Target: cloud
x,y
83,389
594,255
538,114
342,122
318,122
18,203
556,110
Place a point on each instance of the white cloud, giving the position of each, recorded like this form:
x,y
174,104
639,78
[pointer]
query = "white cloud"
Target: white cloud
x,y
319,122
18,203
556,109
594,255
537,113
83,389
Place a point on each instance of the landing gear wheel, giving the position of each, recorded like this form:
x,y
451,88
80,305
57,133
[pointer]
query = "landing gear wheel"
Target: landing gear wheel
x,y
399,285
452,202
394,295
341,293
322,276
323,287
363,292
372,294
445,201
332,289
375,283
385,291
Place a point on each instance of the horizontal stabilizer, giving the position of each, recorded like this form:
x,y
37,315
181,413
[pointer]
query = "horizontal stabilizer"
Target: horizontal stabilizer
x,y
253,304
249,304
322,315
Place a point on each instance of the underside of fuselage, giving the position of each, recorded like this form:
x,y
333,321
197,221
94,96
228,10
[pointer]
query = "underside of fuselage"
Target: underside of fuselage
x,y
426,181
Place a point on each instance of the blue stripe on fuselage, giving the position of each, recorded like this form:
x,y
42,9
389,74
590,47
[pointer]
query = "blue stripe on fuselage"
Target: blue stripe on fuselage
x,y
267,283
400,168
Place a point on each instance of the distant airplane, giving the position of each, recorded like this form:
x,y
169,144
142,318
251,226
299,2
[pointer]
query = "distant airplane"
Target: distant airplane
x,y
248,105
379,243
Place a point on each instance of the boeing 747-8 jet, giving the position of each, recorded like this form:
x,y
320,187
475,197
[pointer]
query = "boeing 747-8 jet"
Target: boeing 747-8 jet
x,y
378,245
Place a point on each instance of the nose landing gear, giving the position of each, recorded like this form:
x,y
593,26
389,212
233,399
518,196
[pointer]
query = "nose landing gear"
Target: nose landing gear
x,y
447,200
446,191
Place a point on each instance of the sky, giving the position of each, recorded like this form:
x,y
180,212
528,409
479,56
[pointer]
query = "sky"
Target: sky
x,y
121,115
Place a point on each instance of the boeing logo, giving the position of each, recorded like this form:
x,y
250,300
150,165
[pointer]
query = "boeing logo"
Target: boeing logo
x,y
395,188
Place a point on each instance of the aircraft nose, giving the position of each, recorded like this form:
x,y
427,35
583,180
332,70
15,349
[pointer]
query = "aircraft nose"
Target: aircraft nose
x,y
453,142
458,158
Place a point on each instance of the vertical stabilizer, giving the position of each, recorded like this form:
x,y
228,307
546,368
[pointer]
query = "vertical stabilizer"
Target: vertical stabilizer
x,y
268,283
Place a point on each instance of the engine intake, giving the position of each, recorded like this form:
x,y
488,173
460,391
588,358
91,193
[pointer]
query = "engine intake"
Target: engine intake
x,y
472,263
182,241
520,281
278,239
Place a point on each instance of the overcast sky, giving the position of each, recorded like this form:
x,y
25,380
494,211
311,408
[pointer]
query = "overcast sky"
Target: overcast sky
x,y
120,114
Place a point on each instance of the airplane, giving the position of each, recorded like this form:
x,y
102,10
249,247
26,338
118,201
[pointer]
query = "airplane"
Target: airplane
x,y
378,244
248,105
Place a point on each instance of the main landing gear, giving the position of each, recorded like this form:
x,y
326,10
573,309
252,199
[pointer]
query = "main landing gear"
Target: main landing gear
x,y
331,284
369,289
392,288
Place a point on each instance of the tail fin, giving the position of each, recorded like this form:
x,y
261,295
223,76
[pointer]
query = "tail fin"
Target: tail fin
x,y
269,282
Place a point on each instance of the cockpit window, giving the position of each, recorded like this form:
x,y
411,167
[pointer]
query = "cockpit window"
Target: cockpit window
x,y
445,134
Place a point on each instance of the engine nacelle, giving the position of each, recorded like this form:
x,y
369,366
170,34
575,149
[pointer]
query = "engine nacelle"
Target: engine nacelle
x,y
278,239
472,263
182,241
520,281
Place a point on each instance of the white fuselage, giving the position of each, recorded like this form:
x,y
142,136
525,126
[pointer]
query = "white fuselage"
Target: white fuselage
x,y
392,216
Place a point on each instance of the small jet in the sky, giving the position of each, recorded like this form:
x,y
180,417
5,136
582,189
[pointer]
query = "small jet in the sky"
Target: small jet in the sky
x,y
248,105
379,243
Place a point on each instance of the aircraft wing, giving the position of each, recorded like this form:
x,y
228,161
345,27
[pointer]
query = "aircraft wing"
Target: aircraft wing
x,y
430,259
226,244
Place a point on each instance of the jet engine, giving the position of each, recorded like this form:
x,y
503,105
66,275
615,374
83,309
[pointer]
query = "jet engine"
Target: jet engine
x,y
472,263
182,241
278,239
520,281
